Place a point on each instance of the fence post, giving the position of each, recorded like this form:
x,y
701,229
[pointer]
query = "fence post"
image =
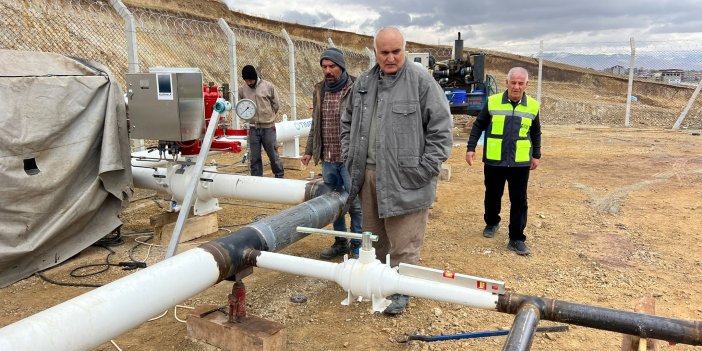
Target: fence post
x,y
632,63
688,106
130,31
291,63
331,43
132,57
233,71
541,68
291,150
371,58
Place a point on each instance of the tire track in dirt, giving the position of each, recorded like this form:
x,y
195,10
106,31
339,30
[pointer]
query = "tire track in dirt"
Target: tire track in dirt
x,y
681,170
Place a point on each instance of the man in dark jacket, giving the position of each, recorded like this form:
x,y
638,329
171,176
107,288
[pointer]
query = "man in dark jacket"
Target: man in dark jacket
x,y
512,149
323,143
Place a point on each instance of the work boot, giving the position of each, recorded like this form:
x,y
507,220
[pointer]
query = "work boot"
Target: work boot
x,y
398,305
355,248
337,249
519,247
490,230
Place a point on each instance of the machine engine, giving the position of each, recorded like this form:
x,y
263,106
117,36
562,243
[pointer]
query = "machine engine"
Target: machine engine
x,y
463,79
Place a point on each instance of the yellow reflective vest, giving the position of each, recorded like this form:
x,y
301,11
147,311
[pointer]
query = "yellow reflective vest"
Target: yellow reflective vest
x,y
507,138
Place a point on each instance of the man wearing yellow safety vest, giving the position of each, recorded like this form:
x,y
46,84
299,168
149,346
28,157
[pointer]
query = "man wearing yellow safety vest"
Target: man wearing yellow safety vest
x,y
512,148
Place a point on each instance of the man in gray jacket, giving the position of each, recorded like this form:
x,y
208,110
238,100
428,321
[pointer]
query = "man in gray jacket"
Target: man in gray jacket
x,y
395,133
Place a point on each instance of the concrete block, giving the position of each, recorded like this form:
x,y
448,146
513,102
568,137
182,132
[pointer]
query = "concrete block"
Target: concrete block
x,y
445,173
252,334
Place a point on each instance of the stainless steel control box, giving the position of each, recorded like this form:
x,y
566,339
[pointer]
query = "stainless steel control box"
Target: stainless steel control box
x,y
166,104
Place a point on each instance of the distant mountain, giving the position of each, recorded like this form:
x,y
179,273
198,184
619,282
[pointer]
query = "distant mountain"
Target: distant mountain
x,y
679,60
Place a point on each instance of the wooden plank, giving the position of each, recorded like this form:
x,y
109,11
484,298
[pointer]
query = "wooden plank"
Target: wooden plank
x,y
251,334
646,305
162,219
292,163
193,228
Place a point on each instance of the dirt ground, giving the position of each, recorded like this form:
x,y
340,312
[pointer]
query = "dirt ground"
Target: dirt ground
x,y
614,216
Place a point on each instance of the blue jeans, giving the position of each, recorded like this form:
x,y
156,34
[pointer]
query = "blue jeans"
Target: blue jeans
x,y
337,177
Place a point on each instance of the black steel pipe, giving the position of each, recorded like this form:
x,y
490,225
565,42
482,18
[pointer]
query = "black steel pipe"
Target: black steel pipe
x,y
275,232
521,335
644,325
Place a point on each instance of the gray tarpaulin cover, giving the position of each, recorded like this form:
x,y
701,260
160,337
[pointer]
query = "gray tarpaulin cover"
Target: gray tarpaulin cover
x,y
67,120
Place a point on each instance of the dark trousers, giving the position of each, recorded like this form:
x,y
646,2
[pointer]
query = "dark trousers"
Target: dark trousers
x,y
264,137
517,179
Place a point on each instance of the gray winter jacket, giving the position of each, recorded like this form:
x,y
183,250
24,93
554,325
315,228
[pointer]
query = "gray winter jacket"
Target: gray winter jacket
x,y
413,137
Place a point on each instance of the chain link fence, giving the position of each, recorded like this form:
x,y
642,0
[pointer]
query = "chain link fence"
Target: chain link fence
x,y
80,28
581,83
164,40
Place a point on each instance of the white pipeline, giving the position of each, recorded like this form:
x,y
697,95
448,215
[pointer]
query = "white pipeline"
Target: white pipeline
x,y
368,278
217,185
87,321
95,317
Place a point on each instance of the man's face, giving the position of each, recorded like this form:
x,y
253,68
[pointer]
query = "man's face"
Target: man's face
x,y
332,72
516,86
250,82
389,51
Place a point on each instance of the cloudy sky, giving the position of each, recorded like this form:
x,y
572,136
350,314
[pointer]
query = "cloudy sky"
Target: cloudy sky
x,y
495,24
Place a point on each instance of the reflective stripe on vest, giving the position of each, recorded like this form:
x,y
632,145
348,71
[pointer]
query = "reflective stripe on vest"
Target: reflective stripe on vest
x,y
509,127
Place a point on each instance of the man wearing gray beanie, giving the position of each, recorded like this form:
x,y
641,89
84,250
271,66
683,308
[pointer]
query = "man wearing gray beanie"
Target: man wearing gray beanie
x,y
323,143
335,55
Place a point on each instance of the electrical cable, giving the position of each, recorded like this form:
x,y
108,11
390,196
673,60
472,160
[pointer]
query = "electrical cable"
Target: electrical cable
x,y
140,243
83,285
473,335
143,198
249,205
115,345
127,266
105,242
175,312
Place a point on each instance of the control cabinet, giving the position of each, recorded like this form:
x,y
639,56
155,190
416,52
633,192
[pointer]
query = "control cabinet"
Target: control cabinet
x,y
166,104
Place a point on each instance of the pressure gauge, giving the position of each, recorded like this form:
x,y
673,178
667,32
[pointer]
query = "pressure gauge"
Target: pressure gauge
x,y
246,109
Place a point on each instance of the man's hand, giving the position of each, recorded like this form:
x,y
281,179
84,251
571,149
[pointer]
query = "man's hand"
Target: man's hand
x,y
306,159
534,163
470,157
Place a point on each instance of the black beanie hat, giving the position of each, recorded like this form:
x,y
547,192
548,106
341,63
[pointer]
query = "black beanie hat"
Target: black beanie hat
x,y
249,72
334,55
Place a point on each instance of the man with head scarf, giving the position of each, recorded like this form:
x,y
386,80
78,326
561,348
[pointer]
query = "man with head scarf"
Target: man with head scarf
x,y
262,125
323,143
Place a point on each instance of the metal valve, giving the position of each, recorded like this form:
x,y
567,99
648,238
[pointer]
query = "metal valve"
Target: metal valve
x,y
367,238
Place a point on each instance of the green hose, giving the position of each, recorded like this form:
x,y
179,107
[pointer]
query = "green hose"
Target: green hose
x,y
491,85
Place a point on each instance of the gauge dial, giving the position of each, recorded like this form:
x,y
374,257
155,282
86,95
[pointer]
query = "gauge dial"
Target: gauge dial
x,y
246,109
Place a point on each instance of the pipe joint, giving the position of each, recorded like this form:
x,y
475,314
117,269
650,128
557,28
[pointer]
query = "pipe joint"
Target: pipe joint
x,y
511,303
